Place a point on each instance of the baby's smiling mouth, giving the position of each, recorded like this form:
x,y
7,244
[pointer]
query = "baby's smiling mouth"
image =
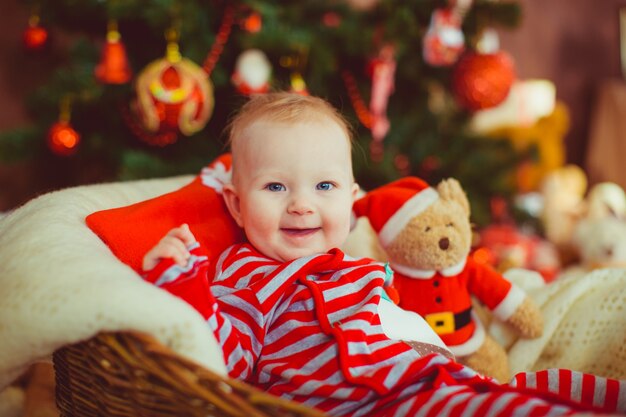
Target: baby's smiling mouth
x,y
300,232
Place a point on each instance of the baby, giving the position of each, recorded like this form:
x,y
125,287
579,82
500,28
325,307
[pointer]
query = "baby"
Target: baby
x,y
298,318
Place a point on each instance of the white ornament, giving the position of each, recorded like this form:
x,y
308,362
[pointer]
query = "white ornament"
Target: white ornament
x,y
252,70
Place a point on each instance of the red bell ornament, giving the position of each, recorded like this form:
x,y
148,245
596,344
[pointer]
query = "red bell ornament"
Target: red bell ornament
x,y
174,94
34,37
113,67
481,81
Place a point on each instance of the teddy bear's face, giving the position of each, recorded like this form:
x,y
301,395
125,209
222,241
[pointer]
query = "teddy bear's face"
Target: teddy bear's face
x,y
601,242
437,238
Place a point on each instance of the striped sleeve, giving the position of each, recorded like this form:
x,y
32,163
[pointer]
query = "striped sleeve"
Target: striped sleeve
x,y
189,282
232,313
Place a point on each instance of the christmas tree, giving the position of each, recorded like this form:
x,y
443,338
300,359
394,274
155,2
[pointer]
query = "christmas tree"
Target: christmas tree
x,y
127,100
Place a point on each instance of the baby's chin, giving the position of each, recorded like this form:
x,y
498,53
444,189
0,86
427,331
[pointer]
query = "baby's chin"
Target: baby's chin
x,y
286,252
286,255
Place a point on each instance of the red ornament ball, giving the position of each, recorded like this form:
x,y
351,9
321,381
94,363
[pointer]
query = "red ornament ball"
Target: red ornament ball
x,y
253,23
35,37
481,81
63,140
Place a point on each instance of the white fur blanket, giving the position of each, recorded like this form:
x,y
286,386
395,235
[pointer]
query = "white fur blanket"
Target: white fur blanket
x,y
60,284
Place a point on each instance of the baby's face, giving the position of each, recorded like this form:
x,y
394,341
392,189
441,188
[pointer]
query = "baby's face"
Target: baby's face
x,y
293,187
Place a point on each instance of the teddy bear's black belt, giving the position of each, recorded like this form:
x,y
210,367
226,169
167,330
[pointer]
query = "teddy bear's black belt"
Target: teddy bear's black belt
x,y
448,322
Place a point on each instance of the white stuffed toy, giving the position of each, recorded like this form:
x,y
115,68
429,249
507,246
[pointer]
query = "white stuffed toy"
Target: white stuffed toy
x,y
601,242
599,237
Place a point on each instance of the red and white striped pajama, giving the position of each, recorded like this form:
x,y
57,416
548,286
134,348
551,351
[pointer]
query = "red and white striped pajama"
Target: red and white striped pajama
x,y
310,330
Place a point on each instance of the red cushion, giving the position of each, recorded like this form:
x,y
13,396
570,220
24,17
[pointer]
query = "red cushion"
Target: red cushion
x,y
133,230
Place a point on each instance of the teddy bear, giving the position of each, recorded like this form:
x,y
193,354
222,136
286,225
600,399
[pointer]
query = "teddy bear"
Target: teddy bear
x,y
563,193
426,234
599,236
601,242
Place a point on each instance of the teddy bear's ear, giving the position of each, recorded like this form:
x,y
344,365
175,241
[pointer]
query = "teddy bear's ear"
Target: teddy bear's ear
x,y
450,189
606,199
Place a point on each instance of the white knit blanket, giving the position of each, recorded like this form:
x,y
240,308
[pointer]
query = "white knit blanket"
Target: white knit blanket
x,y
584,328
60,284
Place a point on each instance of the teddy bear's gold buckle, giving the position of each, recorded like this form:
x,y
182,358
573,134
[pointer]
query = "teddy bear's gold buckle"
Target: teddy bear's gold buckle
x,y
442,323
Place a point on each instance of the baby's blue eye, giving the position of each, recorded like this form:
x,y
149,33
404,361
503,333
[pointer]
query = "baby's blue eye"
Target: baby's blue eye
x,y
275,186
324,186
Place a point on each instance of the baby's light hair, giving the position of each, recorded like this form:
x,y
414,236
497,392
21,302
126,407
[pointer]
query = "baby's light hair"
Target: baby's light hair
x,y
284,107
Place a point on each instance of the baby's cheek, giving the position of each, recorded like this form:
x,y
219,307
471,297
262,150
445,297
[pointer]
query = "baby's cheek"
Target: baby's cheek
x,y
338,231
264,226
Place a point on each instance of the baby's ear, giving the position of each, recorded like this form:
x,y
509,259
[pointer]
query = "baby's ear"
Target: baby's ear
x,y
355,191
231,198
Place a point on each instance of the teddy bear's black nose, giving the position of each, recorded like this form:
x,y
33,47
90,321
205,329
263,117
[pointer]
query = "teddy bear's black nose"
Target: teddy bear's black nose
x,y
444,243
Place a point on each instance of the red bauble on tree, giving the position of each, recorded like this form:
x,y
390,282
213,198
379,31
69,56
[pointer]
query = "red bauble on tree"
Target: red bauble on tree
x,y
62,139
252,23
35,37
481,81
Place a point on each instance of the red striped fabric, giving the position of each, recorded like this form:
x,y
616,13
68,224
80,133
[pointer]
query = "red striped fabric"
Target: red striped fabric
x,y
308,330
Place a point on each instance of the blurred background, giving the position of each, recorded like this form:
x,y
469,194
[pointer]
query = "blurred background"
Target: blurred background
x,y
505,96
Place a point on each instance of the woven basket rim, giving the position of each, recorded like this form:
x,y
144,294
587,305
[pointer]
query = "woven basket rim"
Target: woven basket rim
x,y
129,373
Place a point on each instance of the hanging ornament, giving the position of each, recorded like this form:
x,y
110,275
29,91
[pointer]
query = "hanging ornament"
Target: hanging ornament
x,y
331,19
298,85
296,63
173,94
383,80
481,81
35,37
252,22
113,67
63,140
444,40
252,72
152,110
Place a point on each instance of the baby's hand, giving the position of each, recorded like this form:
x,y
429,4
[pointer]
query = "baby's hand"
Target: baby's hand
x,y
173,245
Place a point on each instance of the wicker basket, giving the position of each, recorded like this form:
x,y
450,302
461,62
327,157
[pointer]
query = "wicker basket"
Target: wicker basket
x,y
131,374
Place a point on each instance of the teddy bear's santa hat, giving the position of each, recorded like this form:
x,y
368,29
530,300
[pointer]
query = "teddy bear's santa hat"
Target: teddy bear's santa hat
x,y
390,208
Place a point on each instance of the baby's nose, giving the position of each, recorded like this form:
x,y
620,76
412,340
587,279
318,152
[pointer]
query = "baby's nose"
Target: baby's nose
x,y
300,205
